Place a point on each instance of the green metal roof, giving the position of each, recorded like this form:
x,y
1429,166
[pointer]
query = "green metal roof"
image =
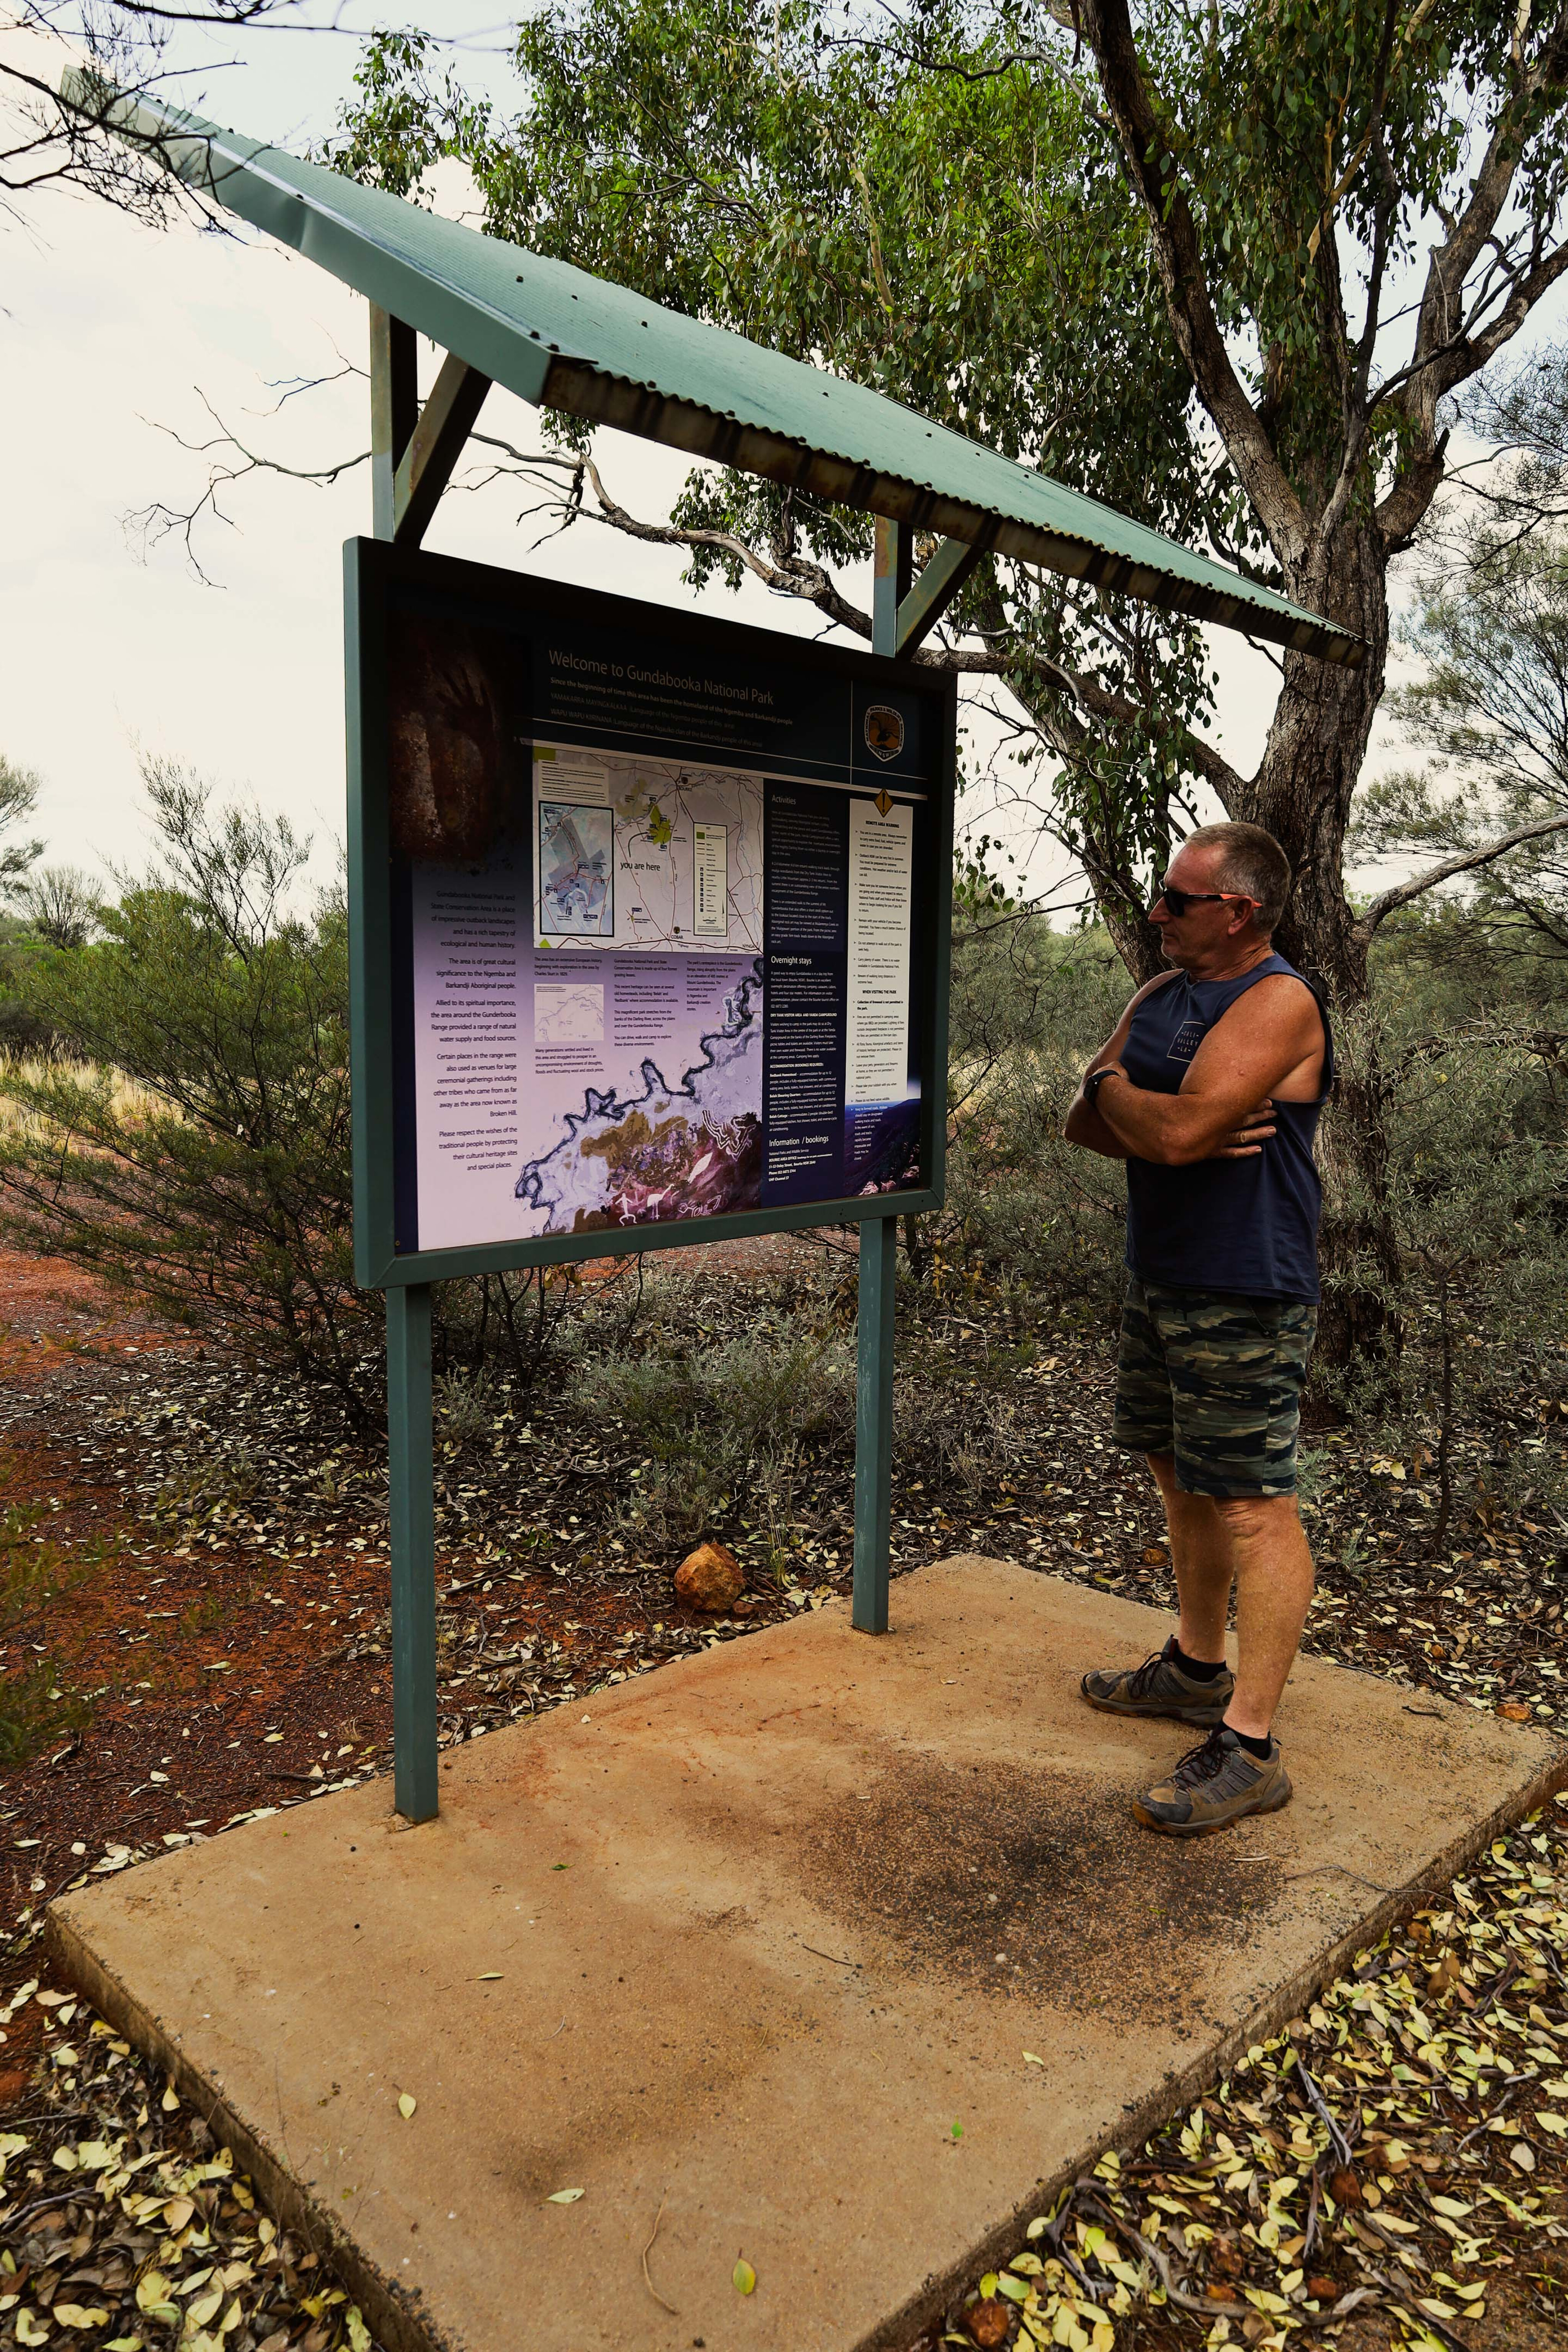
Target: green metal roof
x,y
564,340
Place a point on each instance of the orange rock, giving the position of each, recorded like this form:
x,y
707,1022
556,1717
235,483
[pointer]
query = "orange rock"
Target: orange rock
x,y
1515,1710
710,1578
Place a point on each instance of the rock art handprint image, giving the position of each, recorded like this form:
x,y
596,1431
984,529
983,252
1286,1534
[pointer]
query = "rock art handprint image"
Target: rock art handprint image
x,y
455,765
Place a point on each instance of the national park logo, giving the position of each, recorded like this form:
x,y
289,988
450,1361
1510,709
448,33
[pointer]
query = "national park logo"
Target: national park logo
x,y
884,731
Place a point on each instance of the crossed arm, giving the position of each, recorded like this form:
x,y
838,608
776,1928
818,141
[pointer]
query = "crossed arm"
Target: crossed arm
x,y
1267,1041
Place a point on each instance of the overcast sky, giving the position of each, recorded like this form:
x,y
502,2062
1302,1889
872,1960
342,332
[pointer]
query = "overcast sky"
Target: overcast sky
x,y
115,338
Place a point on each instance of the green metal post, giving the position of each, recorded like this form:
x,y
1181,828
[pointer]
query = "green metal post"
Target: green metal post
x,y
394,414
408,1429
879,1237
874,1421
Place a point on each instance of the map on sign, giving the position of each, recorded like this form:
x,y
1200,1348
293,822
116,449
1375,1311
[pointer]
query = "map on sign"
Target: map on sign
x,y
655,853
576,871
568,1014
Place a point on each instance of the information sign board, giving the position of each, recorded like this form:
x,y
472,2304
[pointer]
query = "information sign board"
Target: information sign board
x,y
649,918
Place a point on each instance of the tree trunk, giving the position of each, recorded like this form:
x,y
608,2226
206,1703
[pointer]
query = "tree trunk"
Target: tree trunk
x,y
1317,748
1136,941
1303,795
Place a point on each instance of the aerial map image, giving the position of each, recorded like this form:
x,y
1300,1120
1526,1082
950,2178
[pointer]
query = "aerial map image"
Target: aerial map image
x,y
576,879
685,1145
685,871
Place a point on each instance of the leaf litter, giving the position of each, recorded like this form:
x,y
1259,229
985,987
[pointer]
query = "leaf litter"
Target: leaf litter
x,y
124,2224
1388,2171
182,1441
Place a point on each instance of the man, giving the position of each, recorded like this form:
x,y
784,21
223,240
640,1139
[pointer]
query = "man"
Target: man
x,y
1210,1089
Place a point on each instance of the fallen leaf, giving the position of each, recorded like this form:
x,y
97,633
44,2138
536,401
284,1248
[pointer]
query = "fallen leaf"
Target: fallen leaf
x,y
1030,2059
988,2323
743,2277
152,2291
490,1976
1515,1710
1523,2156
407,2104
564,2197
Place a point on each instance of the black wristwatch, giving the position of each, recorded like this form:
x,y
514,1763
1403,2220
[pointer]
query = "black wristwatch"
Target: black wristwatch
x,y
1096,1079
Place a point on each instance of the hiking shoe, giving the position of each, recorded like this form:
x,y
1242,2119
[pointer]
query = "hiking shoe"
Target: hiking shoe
x,y
1160,1688
1214,1785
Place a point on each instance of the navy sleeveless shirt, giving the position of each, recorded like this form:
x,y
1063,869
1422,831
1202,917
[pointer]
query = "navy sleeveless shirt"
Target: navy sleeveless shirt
x,y
1246,1226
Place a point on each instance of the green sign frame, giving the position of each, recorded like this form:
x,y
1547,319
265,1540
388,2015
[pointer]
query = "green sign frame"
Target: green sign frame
x,y
375,572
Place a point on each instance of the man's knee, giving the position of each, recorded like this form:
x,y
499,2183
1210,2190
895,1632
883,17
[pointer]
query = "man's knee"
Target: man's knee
x,y
1253,1517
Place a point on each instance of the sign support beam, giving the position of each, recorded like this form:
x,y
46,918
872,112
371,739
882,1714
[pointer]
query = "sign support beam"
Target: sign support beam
x,y
922,606
878,1235
434,448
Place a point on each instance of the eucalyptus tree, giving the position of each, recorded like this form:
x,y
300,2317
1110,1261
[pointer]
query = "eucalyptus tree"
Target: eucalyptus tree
x,y
1489,710
1224,265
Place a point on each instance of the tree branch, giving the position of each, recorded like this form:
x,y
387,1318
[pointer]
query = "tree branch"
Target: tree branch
x,y
1156,181
1441,358
1465,862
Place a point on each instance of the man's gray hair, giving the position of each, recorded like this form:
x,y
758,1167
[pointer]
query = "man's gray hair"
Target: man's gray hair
x,y
1252,863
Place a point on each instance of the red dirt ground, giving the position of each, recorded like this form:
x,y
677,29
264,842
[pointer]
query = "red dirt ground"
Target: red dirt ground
x,y
214,1683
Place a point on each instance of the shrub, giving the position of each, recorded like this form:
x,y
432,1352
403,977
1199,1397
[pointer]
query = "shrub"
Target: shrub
x,y
1029,1007
216,1188
1476,1195
729,1427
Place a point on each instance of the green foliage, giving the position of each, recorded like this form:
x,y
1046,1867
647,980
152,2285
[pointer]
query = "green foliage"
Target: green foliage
x,y
1490,708
216,1184
1029,1007
402,122
59,906
964,240
935,201
730,1426
1477,1193
19,791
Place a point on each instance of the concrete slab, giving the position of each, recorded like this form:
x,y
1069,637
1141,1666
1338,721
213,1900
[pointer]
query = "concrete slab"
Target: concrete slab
x,y
768,1930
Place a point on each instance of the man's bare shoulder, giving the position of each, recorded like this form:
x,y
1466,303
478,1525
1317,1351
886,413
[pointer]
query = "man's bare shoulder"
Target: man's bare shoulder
x,y
1280,1000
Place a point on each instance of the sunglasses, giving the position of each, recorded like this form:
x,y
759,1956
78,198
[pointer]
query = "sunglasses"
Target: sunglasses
x,y
1178,901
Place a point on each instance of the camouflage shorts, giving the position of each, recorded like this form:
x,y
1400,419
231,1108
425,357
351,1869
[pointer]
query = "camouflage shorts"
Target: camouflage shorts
x,y
1215,1378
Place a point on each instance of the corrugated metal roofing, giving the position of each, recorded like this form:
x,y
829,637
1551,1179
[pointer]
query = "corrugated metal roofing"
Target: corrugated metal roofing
x,y
565,340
